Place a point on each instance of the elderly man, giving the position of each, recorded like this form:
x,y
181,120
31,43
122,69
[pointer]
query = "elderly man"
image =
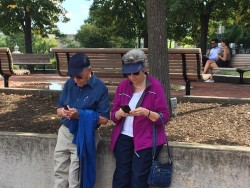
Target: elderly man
x,y
83,105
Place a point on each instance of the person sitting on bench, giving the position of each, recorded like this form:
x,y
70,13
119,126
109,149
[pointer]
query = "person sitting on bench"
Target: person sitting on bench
x,y
211,53
223,60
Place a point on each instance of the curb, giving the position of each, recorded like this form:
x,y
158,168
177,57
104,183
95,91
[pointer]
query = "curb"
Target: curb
x,y
184,99
209,99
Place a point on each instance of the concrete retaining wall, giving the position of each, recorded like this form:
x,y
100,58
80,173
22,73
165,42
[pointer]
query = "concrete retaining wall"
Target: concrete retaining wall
x,y
27,162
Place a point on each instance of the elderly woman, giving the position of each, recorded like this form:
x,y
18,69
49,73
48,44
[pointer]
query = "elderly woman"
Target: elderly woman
x,y
222,61
132,136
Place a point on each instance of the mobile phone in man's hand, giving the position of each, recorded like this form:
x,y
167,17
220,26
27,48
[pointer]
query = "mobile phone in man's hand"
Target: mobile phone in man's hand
x,y
125,108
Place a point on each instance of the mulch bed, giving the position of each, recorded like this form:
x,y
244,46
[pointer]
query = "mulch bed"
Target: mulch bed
x,y
209,123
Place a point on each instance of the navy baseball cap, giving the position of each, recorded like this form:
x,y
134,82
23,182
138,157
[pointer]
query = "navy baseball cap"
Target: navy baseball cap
x,y
134,61
77,63
132,67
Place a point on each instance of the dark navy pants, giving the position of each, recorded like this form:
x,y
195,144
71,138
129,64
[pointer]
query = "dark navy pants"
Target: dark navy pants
x,y
132,168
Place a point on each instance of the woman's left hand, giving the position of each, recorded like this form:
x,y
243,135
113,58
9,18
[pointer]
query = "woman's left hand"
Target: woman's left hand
x,y
139,112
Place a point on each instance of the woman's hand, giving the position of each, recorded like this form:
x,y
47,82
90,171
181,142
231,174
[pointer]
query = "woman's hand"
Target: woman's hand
x,y
153,116
139,112
120,113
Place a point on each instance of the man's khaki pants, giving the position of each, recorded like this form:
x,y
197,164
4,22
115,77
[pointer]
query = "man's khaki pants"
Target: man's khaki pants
x,y
66,160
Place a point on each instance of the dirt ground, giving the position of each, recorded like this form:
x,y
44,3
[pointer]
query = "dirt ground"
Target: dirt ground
x,y
195,122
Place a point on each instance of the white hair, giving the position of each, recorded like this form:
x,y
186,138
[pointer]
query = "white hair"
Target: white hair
x,y
134,56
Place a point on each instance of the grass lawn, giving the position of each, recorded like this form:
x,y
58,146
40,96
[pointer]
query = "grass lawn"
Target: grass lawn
x,y
231,72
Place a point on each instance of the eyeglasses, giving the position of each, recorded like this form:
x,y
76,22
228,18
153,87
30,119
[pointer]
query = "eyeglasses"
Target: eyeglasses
x,y
135,73
213,43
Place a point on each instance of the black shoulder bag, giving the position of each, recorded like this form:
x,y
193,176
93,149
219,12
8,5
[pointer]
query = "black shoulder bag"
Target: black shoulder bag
x,y
160,174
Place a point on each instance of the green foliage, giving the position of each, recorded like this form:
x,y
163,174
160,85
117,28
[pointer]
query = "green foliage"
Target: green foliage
x,y
41,45
2,40
90,36
27,16
44,14
188,22
15,39
200,19
126,19
68,42
238,25
238,34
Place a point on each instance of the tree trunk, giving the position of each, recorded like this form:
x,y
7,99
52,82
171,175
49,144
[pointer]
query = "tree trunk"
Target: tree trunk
x,y
204,19
28,37
157,42
145,40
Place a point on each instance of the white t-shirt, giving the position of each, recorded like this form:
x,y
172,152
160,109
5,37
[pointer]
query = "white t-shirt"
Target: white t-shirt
x,y
128,124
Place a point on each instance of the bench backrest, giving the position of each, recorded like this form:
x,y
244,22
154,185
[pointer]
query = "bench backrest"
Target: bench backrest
x,y
184,63
240,60
6,62
25,59
105,63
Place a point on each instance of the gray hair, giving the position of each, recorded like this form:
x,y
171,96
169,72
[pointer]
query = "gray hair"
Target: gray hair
x,y
134,56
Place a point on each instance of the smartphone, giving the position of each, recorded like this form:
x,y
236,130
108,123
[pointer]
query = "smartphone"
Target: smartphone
x,y
125,108
65,107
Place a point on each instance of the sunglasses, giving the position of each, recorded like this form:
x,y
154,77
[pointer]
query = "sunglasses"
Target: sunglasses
x,y
212,42
136,73
78,77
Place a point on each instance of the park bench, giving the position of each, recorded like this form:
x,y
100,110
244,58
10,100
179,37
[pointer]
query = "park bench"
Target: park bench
x,y
184,63
31,59
239,63
105,63
6,66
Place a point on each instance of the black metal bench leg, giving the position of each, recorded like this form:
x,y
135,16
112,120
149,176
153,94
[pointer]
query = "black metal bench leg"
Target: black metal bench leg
x,y
6,81
241,72
187,87
241,77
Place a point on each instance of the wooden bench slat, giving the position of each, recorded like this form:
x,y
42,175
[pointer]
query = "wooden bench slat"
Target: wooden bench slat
x,y
107,62
31,59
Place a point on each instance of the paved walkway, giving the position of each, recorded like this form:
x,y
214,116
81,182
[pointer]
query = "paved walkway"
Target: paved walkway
x,y
230,90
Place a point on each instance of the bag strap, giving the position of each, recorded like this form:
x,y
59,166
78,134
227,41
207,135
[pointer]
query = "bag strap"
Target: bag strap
x,y
154,140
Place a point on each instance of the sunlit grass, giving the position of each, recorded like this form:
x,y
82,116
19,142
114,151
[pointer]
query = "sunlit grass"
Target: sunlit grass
x,y
232,72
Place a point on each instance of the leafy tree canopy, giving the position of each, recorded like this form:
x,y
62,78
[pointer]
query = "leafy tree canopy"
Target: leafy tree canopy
x,y
200,19
27,16
187,21
90,36
40,44
44,14
124,18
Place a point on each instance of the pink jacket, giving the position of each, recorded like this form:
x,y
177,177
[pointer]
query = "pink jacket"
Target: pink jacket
x,y
153,99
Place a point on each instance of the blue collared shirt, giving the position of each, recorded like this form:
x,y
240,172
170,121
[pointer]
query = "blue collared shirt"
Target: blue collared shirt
x,y
213,54
93,96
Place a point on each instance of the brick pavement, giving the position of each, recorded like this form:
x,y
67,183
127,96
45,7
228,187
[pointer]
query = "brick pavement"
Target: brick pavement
x,y
230,90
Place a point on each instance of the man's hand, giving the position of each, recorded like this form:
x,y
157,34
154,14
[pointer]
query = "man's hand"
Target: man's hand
x,y
71,113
